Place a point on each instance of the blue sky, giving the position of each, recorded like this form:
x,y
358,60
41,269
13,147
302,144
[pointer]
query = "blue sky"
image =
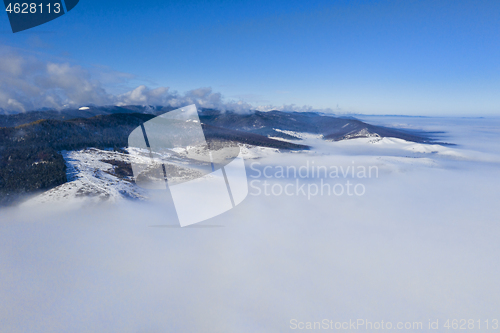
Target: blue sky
x,y
374,57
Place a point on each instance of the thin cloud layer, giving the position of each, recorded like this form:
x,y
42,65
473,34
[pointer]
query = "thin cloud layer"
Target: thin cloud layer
x,y
28,83
202,97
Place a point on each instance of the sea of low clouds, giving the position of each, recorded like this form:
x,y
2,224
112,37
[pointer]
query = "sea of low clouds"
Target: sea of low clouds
x,y
421,244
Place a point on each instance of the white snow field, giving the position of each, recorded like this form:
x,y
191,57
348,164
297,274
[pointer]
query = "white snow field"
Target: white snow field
x,y
420,245
90,181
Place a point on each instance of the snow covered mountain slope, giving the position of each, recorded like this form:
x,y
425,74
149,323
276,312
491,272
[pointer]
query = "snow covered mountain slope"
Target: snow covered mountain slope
x,y
94,176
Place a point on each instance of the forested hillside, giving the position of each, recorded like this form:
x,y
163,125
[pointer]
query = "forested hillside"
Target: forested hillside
x,y
30,158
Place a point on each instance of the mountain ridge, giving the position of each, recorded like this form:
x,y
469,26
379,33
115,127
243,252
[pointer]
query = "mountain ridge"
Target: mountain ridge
x,y
30,148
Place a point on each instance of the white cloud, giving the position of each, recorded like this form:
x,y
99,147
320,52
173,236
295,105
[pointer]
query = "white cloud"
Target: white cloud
x,y
28,83
290,107
421,244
